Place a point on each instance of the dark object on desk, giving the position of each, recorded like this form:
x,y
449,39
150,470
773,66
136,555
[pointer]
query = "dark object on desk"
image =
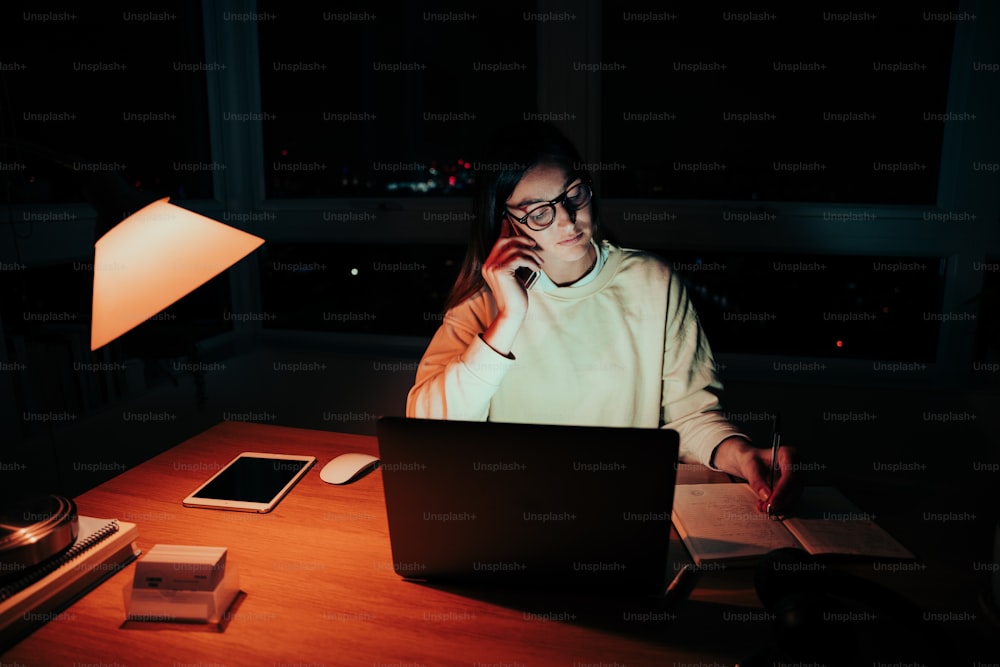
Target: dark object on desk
x,y
829,617
347,468
34,529
529,505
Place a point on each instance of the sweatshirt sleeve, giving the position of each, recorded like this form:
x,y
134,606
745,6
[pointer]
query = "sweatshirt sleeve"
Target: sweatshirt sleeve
x,y
690,386
459,373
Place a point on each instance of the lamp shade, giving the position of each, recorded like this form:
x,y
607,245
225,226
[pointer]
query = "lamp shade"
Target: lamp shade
x,y
155,257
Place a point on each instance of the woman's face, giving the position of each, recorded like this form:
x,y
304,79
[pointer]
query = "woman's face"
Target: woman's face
x,y
566,240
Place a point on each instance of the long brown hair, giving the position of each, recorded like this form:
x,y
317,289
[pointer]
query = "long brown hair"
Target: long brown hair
x,y
508,155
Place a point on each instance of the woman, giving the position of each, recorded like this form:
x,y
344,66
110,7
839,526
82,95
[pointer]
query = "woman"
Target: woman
x,y
549,322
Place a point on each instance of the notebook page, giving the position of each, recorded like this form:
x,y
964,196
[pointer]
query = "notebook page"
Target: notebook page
x,y
827,522
720,522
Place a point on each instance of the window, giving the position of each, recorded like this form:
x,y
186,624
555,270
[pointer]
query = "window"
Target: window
x,y
386,99
104,104
380,289
787,104
819,306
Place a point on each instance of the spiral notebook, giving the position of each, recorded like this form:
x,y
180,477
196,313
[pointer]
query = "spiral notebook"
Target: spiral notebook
x,y
102,547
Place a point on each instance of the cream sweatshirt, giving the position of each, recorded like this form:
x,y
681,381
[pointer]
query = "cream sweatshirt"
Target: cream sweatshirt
x,y
623,349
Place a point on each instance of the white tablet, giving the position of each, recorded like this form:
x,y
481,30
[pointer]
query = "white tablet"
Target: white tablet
x,y
252,482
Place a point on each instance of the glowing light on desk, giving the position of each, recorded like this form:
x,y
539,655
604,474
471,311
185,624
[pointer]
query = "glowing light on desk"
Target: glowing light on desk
x,y
155,257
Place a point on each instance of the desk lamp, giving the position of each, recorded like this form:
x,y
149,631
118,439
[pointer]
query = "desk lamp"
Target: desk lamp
x,y
153,258
142,265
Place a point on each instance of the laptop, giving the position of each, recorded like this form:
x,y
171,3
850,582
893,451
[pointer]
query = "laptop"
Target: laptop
x,y
529,505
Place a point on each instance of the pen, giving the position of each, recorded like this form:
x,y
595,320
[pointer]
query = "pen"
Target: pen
x,y
682,585
775,443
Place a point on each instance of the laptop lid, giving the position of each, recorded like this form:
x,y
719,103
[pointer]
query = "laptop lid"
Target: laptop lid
x,y
528,504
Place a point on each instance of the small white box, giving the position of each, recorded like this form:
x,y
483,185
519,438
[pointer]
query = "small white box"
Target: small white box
x,y
152,605
181,568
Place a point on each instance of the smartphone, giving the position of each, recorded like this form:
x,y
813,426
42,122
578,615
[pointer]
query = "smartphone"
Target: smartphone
x,y
526,276
251,482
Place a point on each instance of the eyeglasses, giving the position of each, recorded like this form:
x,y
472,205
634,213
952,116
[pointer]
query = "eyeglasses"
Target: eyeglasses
x,y
543,215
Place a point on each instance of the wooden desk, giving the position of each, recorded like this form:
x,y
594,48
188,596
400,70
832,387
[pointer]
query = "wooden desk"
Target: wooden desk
x,y
320,588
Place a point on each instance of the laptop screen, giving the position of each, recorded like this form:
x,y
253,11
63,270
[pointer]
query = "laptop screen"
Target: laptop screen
x,y
528,504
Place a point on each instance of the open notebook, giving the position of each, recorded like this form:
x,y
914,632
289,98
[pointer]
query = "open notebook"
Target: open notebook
x,y
37,594
720,523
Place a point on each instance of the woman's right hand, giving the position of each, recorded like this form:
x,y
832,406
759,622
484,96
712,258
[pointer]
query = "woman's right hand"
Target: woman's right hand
x,y
511,252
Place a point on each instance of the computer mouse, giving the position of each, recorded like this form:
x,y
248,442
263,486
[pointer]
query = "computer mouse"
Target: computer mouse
x,y
348,467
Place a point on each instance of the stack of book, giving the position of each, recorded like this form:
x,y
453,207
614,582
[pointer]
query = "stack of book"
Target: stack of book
x,y
31,596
